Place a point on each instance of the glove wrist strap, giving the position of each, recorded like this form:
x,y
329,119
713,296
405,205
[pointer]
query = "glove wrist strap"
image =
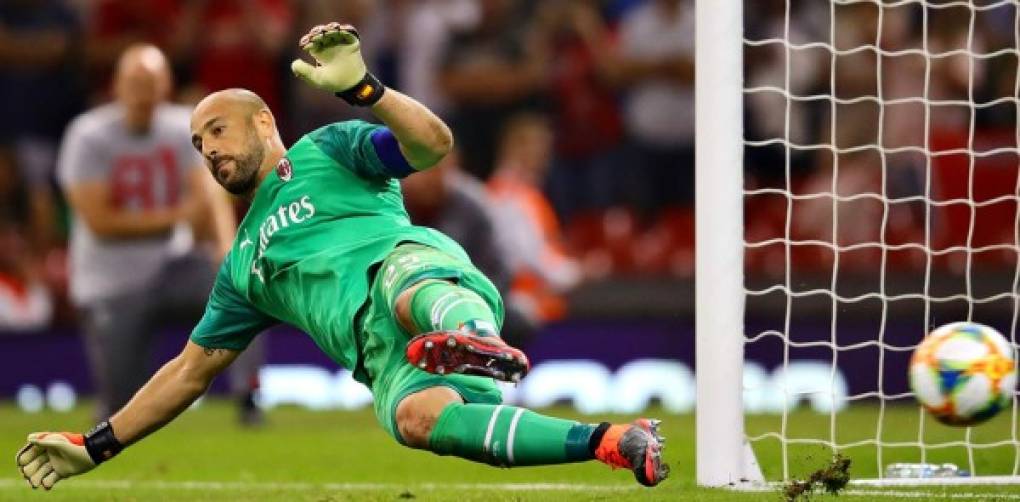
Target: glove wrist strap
x,y
101,444
366,93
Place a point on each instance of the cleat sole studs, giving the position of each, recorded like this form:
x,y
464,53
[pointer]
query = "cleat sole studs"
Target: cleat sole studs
x,y
451,342
516,377
429,345
440,370
423,364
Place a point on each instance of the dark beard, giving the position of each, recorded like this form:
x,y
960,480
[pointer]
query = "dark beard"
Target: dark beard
x,y
247,176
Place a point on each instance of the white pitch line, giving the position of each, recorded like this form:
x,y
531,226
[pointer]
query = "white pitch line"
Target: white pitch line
x,y
775,486
103,484
925,495
936,482
264,485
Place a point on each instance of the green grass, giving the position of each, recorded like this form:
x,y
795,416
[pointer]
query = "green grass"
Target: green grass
x,y
900,424
334,456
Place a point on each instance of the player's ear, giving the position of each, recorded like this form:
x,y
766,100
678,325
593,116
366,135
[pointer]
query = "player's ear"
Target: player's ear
x,y
265,124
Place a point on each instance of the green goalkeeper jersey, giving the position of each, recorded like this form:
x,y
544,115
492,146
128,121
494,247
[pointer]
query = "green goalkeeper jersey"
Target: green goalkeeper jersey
x,y
303,252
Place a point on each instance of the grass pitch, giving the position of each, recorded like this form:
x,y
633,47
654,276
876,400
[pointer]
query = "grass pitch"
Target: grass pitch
x,y
345,455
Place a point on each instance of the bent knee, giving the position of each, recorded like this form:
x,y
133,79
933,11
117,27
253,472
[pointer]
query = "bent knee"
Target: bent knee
x,y
418,413
416,428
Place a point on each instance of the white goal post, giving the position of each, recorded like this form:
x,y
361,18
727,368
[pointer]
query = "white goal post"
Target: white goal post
x,y
722,454
725,453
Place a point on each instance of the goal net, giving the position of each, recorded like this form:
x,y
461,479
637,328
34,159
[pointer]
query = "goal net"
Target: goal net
x,y
878,147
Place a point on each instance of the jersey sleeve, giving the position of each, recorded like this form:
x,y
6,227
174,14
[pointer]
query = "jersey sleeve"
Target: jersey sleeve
x,y
369,150
230,321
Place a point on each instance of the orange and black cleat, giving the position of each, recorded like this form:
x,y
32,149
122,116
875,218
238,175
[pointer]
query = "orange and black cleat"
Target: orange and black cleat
x,y
464,351
637,447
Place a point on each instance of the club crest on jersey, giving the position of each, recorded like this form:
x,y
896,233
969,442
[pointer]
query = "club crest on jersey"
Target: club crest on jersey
x,y
284,169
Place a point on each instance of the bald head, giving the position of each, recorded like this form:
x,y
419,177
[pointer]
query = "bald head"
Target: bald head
x,y
142,59
235,132
241,100
141,82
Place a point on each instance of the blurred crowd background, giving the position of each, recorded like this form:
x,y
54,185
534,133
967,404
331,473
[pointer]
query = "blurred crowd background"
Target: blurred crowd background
x,y
574,121
912,105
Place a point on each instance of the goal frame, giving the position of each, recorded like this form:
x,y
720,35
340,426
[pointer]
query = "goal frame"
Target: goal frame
x,y
724,457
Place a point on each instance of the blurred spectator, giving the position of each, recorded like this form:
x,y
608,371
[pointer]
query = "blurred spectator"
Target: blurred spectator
x,y
902,79
113,25
767,114
489,71
15,205
40,91
997,30
860,167
15,200
425,32
25,299
455,203
657,65
615,9
135,183
542,271
960,76
587,170
237,43
479,62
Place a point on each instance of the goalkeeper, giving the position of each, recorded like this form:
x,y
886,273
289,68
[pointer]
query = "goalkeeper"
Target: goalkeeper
x,y
327,246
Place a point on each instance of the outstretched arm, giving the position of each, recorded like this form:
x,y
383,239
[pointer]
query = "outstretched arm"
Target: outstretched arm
x,y
170,391
51,456
423,138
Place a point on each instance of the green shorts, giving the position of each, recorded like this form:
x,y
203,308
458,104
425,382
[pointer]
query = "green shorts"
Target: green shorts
x,y
392,378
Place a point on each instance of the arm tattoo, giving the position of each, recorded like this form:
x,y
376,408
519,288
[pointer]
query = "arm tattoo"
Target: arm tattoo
x,y
211,352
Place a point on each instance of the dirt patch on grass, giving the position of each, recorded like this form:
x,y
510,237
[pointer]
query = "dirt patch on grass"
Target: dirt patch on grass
x,y
833,478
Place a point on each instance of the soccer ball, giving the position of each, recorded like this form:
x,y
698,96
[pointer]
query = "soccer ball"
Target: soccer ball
x,y
963,373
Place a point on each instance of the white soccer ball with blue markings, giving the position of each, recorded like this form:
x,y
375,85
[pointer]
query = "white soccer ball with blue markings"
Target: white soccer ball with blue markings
x,y
963,373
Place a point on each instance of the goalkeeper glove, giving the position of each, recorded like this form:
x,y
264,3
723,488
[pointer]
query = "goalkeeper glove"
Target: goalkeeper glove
x,y
51,456
340,68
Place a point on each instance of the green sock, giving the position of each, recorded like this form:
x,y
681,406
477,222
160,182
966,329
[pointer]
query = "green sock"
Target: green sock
x,y
509,436
440,305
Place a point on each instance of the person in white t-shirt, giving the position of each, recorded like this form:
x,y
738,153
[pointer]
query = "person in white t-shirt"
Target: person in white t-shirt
x,y
139,196
656,50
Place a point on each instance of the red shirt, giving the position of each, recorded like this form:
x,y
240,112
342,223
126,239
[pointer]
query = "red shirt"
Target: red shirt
x,y
586,110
